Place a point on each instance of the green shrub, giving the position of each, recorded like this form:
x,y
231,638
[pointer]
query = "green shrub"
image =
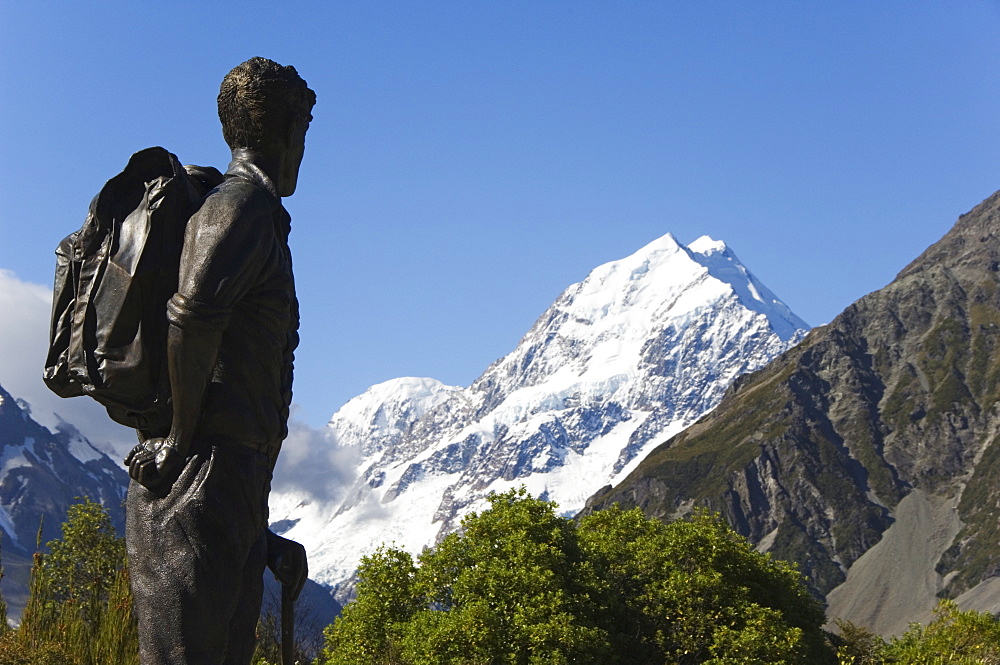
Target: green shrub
x,y
80,604
953,637
519,584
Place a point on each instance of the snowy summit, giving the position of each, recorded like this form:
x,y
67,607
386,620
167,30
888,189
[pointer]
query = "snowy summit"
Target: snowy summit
x,y
635,352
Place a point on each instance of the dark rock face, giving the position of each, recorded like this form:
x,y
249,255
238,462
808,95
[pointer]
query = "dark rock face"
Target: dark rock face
x,y
809,456
41,475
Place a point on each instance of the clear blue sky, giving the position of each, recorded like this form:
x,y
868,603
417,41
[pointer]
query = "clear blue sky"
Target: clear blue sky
x,y
469,160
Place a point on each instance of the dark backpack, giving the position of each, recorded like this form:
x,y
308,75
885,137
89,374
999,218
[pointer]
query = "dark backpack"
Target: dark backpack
x,y
113,280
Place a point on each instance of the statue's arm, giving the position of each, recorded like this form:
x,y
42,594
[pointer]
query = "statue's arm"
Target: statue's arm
x,y
191,353
220,260
191,356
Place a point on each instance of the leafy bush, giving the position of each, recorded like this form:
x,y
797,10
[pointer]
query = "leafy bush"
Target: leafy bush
x,y
953,637
79,610
80,607
521,585
694,591
81,568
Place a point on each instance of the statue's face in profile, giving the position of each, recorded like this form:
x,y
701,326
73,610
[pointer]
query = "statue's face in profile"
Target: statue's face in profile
x,y
296,147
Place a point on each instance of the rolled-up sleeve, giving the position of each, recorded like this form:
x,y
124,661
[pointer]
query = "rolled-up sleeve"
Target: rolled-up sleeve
x,y
224,251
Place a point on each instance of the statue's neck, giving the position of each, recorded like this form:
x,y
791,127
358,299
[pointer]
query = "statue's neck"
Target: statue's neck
x,y
269,165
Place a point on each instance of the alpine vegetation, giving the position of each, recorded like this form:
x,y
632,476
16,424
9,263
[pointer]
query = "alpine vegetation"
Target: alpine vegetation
x,y
520,584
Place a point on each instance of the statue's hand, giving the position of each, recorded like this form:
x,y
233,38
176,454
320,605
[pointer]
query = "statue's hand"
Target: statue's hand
x,y
287,560
155,464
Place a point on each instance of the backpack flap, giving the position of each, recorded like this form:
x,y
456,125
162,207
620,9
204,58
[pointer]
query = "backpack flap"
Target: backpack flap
x,y
113,279
56,375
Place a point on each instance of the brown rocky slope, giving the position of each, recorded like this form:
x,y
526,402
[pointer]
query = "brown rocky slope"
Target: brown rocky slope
x,y
811,457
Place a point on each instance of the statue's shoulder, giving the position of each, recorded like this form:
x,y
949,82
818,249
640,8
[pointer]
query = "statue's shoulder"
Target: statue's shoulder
x,y
234,200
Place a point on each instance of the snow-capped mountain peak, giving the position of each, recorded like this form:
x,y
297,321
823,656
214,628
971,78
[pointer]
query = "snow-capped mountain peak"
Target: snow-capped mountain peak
x,y
637,350
706,246
378,417
722,264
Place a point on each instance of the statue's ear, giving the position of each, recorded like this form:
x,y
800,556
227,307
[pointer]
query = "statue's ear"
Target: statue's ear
x,y
292,132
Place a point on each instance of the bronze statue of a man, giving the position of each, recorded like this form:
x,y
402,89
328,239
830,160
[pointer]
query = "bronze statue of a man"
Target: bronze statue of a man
x,y
196,513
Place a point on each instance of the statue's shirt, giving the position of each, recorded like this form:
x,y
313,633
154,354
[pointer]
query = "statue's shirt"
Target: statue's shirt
x,y
236,280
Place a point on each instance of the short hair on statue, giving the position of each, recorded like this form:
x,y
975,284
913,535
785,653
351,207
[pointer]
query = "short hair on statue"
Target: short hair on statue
x,y
259,99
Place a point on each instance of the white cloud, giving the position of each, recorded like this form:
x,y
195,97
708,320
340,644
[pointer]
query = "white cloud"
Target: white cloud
x,y
25,310
310,462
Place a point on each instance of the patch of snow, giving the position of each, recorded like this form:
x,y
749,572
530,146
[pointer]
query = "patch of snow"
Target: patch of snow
x,y
7,524
13,458
335,559
83,450
706,246
563,485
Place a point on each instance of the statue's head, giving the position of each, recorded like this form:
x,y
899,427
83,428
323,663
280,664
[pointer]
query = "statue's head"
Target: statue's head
x,y
266,107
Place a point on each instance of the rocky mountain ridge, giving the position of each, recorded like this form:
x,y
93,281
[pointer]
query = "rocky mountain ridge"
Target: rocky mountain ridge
x,y
41,474
818,457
